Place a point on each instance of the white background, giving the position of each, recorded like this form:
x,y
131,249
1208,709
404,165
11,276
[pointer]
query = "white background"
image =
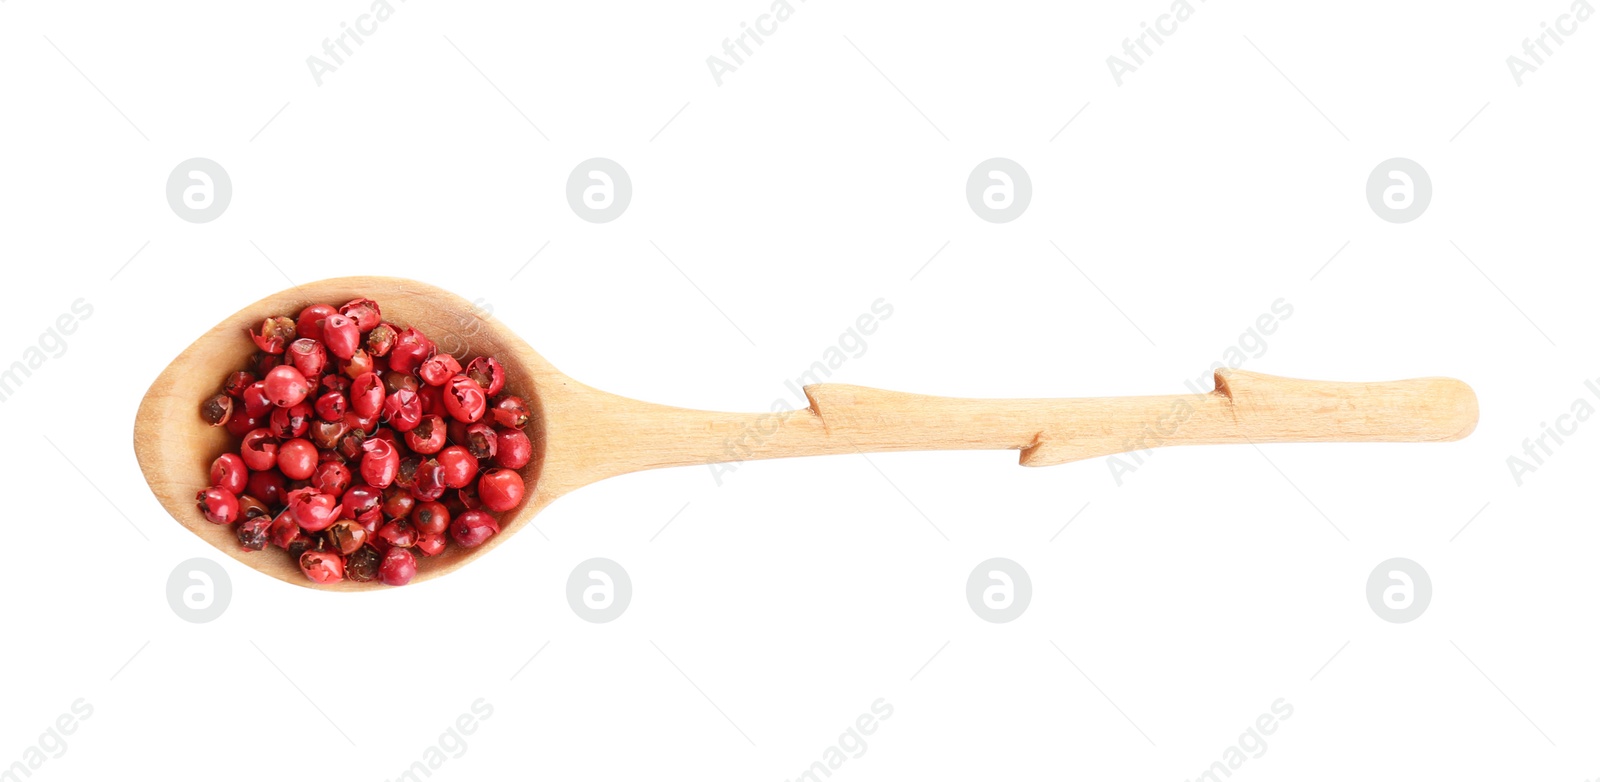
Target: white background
x,y
1212,582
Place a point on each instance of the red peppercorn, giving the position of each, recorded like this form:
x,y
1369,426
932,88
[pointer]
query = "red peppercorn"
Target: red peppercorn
x,y
430,518
309,322
323,567
332,477
402,410
380,464
435,371
513,449
487,372
274,334
350,444
286,422
428,436
313,510
331,406
326,435
473,527
362,503
394,381
308,356
268,485
283,530
229,472
366,395
398,502
398,533
428,483
512,411
335,382
359,363
398,568
364,312
297,459
256,402
239,424
341,336
432,400
459,466
236,383
285,386
500,490
464,399
219,505
259,450
430,545
365,424
410,349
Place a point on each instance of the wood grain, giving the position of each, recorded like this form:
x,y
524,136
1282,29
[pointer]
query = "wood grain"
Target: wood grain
x,y
582,435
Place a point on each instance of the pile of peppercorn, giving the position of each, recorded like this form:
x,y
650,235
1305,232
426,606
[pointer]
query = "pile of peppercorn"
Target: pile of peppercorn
x,y
362,446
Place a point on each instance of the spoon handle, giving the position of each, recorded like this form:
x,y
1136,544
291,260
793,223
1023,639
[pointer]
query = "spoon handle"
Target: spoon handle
x,y
1244,407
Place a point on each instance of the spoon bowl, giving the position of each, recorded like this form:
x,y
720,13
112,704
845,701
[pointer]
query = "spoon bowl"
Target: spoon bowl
x,y
175,446
581,435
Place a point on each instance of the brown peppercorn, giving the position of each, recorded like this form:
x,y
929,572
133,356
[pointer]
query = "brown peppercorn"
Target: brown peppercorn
x,y
363,564
346,536
217,409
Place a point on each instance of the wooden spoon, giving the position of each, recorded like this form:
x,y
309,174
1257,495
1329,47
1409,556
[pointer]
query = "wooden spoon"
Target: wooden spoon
x,y
582,435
